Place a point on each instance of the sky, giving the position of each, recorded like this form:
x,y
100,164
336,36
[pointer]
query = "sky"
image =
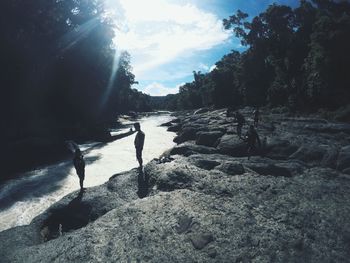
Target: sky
x,y
169,39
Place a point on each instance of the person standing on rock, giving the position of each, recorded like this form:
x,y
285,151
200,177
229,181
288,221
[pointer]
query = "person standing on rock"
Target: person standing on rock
x,y
79,165
251,139
139,142
240,122
256,116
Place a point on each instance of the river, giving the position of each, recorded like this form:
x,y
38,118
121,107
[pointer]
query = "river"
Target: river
x,y
31,193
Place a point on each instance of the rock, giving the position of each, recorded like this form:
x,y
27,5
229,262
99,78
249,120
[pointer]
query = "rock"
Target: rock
x,y
187,134
167,124
175,128
232,145
199,241
212,252
208,138
283,206
329,128
232,168
206,164
176,179
343,162
279,148
188,148
316,154
202,110
264,166
346,171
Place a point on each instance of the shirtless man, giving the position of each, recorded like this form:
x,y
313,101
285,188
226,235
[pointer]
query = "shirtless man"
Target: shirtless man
x,y
79,165
139,142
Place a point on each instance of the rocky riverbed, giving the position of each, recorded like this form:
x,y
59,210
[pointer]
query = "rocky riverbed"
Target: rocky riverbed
x,y
204,201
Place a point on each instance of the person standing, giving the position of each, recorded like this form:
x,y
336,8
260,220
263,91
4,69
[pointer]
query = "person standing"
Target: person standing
x,y
139,142
240,122
256,116
252,138
79,165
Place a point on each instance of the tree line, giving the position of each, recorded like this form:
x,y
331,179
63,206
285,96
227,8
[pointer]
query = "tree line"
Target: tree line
x,y
296,58
57,58
61,78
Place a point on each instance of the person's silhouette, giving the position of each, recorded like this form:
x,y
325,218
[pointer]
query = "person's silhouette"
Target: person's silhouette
x,y
240,122
139,142
251,139
79,165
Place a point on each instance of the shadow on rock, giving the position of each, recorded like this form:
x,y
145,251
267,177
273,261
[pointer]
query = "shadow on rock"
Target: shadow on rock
x,y
143,184
71,217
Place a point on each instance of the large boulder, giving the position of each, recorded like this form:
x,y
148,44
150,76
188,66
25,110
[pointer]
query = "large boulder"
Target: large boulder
x,y
277,148
187,134
208,138
232,145
174,128
189,148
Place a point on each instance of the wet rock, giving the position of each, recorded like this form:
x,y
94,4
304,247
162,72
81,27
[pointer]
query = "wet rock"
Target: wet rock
x,y
199,241
208,138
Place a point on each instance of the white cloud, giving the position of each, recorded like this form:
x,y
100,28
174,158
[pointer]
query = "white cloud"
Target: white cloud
x,y
155,32
158,89
212,68
204,67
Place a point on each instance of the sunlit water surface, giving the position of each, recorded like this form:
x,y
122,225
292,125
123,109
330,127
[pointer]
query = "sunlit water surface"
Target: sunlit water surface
x,y
24,198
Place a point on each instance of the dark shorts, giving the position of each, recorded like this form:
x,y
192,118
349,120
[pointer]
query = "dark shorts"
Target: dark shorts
x,y
138,153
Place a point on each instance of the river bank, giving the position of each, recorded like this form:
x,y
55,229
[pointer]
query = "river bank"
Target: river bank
x,y
31,193
44,147
204,201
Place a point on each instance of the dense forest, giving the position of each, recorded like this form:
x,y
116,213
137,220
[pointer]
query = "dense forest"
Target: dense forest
x,y
61,77
296,58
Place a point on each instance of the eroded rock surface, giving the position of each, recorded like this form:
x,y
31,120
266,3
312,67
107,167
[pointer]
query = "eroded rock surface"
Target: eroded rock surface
x,y
206,202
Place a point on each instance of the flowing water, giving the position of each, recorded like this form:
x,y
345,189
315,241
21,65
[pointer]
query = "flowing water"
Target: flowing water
x,y
33,192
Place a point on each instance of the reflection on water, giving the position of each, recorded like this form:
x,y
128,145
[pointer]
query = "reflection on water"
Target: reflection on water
x,y
24,198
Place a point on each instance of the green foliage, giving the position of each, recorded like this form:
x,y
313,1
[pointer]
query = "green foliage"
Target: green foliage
x,y
57,58
295,57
